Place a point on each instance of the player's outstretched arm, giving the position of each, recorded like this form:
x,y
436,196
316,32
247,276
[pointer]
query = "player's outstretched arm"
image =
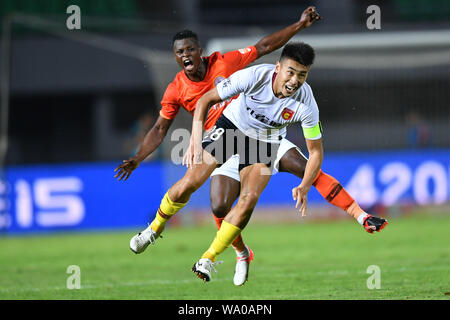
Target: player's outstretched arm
x,y
315,150
152,140
280,38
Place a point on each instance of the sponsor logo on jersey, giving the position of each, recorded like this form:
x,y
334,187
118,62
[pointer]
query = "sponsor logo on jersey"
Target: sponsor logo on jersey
x,y
245,50
287,114
263,118
253,98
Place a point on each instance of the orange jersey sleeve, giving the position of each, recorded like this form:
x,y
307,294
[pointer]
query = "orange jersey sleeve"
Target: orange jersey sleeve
x,y
170,102
239,59
221,67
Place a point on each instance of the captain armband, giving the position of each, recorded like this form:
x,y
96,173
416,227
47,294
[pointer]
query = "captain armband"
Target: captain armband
x,y
313,133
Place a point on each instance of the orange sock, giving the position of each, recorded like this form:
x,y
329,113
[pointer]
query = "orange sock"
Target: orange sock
x,y
238,238
335,194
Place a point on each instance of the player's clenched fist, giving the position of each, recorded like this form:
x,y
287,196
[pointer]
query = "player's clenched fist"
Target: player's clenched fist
x,y
309,16
125,169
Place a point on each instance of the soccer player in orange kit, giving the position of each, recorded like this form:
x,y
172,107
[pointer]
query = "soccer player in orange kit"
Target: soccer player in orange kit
x,y
199,75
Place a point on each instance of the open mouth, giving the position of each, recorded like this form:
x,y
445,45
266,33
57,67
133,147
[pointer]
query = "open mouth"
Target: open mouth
x,y
289,89
188,65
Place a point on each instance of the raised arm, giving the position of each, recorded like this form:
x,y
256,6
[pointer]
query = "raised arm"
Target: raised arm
x,y
280,38
315,150
152,140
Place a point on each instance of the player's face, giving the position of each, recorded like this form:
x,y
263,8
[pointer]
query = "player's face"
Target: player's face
x,y
188,55
290,77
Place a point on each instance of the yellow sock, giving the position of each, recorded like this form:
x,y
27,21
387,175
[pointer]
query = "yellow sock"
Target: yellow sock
x,y
224,237
166,210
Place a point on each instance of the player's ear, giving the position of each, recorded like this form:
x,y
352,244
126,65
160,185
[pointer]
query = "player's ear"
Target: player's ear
x,y
307,72
277,67
201,50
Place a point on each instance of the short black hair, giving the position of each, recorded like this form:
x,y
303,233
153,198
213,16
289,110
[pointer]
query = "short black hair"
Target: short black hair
x,y
185,34
301,52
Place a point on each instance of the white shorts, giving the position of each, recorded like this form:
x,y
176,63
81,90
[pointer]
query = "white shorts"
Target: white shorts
x,y
231,167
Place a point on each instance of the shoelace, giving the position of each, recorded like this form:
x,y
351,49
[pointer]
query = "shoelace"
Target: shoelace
x,y
152,238
213,264
152,235
246,258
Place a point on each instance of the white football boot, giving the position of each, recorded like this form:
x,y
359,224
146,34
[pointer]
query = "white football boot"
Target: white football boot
x,y
140,242
203,268
242,266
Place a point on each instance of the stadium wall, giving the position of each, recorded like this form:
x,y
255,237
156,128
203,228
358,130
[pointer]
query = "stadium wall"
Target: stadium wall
x,y
72,197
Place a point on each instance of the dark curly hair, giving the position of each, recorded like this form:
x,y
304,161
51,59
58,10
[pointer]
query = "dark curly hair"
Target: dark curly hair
x,y
186,34
301,52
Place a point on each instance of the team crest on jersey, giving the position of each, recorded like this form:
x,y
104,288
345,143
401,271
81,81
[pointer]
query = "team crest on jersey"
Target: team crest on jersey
x,y
218,80
287,114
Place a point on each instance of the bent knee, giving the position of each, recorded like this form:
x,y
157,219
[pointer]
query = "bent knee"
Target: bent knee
x,y
220,208
221,203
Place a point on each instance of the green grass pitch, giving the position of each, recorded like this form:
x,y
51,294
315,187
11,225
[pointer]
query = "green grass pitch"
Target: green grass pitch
x,y
309,260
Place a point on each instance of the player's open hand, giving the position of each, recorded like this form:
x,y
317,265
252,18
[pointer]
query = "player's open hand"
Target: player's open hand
x,y
188,156
299,194
125,169
193,155
309,16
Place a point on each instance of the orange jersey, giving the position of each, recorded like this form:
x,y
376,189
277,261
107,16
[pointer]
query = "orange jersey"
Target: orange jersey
x,y
182,92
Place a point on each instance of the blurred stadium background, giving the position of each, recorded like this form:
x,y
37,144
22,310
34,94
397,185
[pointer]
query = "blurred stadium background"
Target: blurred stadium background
x,y
75,103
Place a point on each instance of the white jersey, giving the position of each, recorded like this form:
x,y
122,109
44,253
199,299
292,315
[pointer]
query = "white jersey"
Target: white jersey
x,y
259,113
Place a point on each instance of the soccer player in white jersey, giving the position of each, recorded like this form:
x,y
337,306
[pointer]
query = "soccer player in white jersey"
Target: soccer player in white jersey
x,y
271,97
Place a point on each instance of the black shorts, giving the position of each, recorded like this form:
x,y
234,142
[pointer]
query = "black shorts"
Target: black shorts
x,y
225,140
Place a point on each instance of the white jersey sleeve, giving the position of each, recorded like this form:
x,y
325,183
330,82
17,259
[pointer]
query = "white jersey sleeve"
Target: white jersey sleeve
x,y
238,82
